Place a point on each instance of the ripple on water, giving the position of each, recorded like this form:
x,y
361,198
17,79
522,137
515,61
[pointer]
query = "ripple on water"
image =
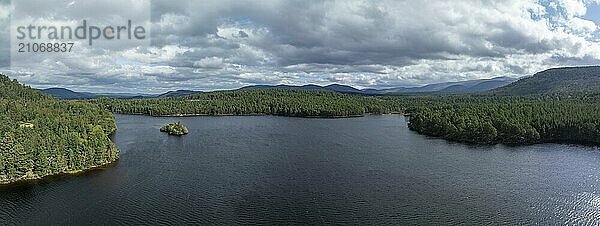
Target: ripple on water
x,y
275,170
585,210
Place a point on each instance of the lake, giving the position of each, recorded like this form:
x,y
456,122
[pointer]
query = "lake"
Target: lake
x,y
278,170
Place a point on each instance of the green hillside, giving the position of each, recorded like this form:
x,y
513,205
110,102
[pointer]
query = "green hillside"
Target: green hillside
x,y
41,136
556,81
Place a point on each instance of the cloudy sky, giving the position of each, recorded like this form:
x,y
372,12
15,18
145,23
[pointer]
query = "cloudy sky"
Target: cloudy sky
x,y
208,45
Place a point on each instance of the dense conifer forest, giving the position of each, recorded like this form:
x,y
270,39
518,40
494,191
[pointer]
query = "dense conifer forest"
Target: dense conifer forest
x,y
41,136
474,118
511,120
283,102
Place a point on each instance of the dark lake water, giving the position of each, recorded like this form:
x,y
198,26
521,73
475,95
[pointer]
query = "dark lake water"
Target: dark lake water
x,y
371,170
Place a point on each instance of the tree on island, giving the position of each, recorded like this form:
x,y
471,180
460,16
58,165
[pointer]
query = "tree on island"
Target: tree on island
x,y
176,129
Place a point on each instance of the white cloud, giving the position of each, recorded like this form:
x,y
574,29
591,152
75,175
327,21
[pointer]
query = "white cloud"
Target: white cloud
x,y
573,7
154,54
209,62
4,11
582,26
226,44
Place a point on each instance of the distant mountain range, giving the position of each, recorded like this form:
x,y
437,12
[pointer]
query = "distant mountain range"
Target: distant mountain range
x,y
332,87
469,86
478,85
556,80
448,87
178,93
67,94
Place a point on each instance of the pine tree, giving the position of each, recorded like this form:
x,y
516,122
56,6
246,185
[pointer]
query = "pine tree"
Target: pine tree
x,y
24,162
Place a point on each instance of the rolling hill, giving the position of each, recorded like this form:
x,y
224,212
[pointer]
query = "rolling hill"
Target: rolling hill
x,y
332,87
555,81
67,94
468,86
178,93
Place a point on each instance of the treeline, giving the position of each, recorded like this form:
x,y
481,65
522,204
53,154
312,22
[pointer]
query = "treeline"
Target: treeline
x,y
512,120
41,136
282,102
473,118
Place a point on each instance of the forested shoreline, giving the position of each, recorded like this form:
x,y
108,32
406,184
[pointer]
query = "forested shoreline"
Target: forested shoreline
x,y
512,120
281,102
470,118
41,136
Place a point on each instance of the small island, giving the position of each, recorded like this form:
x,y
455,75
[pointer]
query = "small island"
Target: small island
x,y
177,129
